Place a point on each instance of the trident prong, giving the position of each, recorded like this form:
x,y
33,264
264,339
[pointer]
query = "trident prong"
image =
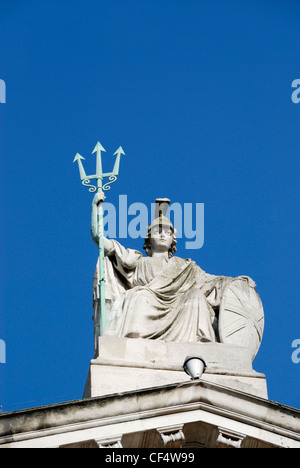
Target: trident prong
x,y
100,175
82,173
86,179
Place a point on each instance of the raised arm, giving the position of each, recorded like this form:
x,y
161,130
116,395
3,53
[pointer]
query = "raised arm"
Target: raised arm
x,y
97,200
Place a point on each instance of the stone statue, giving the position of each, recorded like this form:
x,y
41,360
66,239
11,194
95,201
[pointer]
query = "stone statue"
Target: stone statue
x,y
163,297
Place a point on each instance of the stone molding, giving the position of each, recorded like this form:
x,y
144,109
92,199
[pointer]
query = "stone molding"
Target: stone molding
x,y
147,410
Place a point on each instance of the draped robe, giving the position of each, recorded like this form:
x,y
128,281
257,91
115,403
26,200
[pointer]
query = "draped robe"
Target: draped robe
x,y
157,298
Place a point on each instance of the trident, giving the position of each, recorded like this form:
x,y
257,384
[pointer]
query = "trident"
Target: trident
x,y
86,179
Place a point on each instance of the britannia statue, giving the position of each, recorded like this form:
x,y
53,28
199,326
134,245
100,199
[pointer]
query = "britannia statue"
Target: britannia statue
x,y
159,296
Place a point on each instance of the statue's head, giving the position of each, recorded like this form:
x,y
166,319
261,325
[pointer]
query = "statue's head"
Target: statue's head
x,y
161,236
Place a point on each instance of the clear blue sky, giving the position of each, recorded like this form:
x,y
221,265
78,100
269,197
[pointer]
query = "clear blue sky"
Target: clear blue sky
x,y
198,93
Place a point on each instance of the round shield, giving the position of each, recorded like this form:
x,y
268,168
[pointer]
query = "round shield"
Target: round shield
x,y
241,316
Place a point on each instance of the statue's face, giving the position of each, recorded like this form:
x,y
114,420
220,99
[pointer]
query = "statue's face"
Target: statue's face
x,y
161,238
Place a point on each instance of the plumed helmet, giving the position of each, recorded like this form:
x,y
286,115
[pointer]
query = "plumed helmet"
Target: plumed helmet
x,y
161,208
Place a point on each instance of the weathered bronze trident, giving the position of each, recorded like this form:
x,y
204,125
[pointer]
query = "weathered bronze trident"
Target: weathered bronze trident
x,y
86,179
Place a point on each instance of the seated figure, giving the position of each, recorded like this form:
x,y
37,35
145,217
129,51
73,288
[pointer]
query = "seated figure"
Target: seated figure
x,y
163,297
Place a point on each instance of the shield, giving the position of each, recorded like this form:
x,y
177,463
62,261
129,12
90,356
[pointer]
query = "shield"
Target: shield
x,y
241,316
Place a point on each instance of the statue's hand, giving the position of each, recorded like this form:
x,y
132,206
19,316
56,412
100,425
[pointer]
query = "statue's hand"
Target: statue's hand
x,y
98,198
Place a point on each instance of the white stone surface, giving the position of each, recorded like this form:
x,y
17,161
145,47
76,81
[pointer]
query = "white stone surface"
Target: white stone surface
x,y
198,413
126,364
